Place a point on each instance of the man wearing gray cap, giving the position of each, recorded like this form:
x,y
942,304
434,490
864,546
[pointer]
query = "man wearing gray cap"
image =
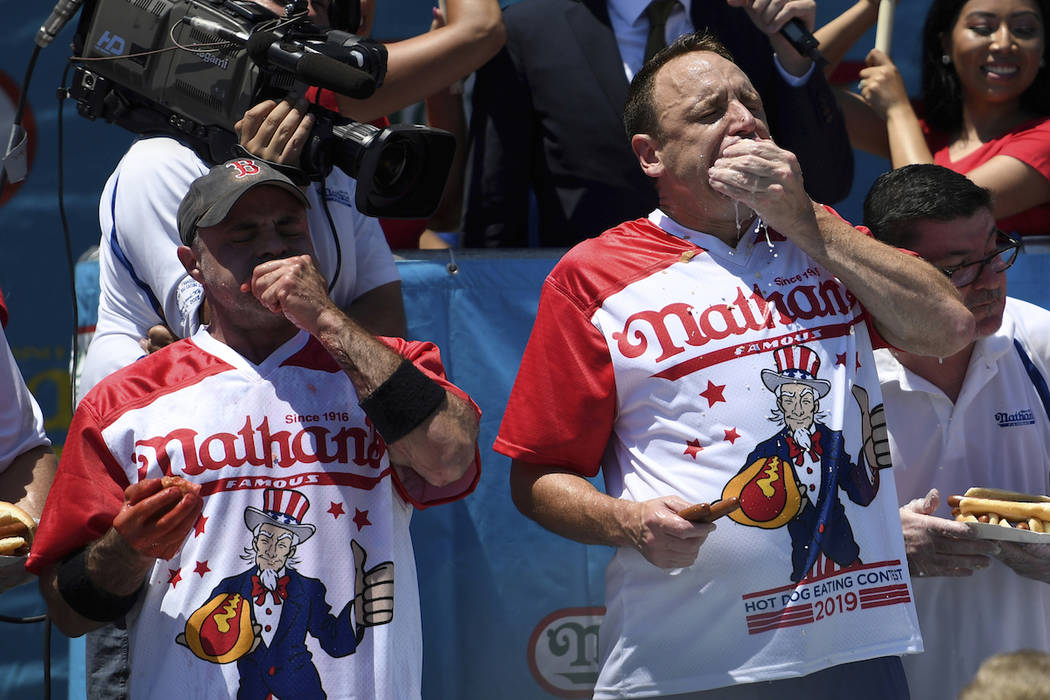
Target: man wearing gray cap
x,y
281,395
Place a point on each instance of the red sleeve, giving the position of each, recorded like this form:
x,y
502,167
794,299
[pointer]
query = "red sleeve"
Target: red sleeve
x,y
86,495
412,488
563,404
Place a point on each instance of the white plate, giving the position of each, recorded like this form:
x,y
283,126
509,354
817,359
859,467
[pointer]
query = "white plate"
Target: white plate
x,y
1010,534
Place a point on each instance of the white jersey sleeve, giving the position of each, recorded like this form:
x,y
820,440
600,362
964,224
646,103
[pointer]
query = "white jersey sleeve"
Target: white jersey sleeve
x,y
21,422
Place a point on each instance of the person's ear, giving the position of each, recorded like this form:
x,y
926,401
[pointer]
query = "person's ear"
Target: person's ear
x,y
946,47
189,261
647,150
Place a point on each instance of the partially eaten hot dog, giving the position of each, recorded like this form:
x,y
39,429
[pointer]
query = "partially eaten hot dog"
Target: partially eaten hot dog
x,y
709,512
179,483
1004,508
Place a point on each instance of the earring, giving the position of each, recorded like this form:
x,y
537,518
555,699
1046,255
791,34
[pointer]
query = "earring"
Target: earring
x,y
946,59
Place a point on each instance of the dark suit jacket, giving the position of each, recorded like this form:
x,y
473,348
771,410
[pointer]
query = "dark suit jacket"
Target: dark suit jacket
x,y
548,114
285,668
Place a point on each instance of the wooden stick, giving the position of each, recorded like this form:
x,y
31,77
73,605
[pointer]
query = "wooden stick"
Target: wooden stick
x,y
884,29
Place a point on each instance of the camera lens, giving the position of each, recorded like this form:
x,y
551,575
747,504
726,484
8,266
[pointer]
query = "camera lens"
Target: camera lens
x,y
396,173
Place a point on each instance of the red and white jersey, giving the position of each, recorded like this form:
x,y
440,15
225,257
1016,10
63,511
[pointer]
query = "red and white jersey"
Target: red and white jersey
x,y
286,438
654,357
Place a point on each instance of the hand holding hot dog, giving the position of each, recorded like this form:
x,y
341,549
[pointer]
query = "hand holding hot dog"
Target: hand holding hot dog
x,y
666,539
940,547
157,517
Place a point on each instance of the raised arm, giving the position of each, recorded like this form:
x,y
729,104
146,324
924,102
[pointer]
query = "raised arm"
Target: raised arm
x,y
426,427
569,505
906,296
418,66
839,35
771,17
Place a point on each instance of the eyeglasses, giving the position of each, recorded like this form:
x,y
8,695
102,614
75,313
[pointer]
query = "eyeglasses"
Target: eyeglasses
x,y
1003,257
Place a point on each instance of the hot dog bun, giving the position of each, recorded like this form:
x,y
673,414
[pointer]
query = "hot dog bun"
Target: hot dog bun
x,y
16,530
1003,495
1005,508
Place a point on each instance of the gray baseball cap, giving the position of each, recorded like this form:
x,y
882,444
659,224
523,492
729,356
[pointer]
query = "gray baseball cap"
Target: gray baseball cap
x,y
213,194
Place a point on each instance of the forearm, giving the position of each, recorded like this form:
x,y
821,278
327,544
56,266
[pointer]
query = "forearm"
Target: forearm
x,y
112,567
27,479
914,306
907,143
866,129
442,446
421,64
570,506
840,34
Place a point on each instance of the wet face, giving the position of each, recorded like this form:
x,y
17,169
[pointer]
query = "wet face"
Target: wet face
x,y
949,244
995,47
799,404
273,546
706,103
266,223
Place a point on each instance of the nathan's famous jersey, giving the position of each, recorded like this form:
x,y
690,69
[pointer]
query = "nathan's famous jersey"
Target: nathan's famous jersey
x,y
302,511
679,360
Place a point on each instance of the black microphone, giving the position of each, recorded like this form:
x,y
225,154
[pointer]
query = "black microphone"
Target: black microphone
x,y
801,39
311,68
59,16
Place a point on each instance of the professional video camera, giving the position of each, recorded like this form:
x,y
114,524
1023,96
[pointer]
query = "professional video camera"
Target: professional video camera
x,y
191,68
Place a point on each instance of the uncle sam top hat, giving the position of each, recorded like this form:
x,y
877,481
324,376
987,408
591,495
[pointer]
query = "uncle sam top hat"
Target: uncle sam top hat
x,y
283,508
796,364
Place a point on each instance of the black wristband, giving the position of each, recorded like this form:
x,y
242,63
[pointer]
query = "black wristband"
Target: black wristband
x,y
87,599
403,401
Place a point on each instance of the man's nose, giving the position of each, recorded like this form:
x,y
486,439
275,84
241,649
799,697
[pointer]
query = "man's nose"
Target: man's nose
x,y
272,244
743,121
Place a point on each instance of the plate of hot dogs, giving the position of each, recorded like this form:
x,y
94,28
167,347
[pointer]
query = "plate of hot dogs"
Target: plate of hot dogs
x,y
996,514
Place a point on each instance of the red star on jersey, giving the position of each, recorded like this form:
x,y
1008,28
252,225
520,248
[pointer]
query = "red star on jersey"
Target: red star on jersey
x,y
713,393
361,519
198,527
201,568
174,576
693,448
732,435
336,509
840,359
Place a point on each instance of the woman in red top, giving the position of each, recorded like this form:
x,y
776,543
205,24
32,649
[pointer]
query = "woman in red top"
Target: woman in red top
x,y
986,97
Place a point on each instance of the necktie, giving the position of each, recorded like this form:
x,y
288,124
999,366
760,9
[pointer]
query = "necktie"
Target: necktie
x,y
657,13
